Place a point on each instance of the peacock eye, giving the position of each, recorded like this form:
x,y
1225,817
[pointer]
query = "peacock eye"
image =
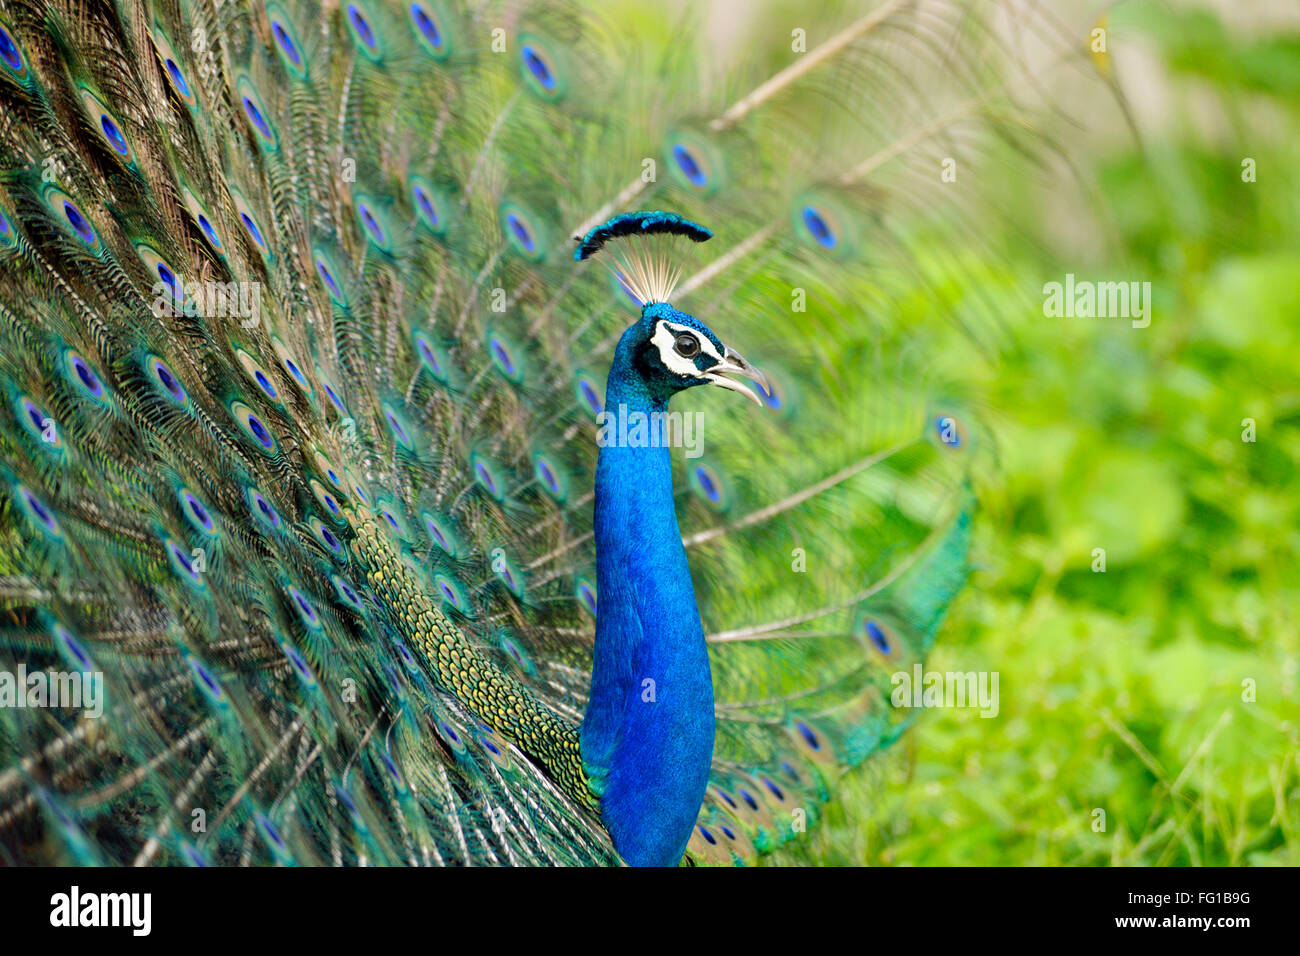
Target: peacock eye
x,y
687,346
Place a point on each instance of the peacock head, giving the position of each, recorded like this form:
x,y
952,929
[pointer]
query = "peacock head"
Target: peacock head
x,y
666,349
672,351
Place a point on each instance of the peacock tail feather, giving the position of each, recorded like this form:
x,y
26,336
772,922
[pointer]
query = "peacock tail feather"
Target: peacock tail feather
x,y
300,383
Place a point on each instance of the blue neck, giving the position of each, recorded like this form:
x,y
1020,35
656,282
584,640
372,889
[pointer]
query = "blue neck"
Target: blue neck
x,y
647,739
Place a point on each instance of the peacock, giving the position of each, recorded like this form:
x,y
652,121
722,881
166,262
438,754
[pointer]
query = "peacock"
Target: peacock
x,y
343,469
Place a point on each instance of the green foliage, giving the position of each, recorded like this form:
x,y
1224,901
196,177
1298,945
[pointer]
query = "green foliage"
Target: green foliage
x,y
1123,691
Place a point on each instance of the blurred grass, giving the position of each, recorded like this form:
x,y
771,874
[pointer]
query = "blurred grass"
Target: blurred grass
x,y
1122,692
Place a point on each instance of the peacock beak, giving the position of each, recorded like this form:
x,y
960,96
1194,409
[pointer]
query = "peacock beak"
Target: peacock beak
x,y
733,363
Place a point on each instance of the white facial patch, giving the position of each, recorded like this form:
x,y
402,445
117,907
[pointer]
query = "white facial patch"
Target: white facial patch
x,y
665,339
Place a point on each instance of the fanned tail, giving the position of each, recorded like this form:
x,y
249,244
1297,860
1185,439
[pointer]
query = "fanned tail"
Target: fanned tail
x,y
300,377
